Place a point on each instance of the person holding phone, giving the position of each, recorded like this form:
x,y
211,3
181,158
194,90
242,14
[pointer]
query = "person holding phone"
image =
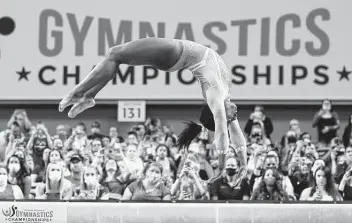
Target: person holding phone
x,y
323,187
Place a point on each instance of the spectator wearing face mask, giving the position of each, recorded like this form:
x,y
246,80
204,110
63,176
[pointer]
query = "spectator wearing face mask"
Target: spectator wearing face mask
x,y
19,175
233,184
8,191
269,162
258,116
189,185
90,188
150,187
95,131
323,187
56,187
347,133
327,123
270,187
294,126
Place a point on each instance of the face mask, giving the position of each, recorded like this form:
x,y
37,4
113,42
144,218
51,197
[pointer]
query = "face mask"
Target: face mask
x,y
111,168
90,180
14,168
231,171
3,179
55,176
153,178
269,181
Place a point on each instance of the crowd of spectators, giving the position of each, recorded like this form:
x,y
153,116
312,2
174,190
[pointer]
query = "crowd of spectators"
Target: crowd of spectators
x,y
80,163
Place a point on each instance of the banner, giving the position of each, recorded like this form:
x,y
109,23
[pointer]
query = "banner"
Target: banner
x,y
93,212
276,50
39,212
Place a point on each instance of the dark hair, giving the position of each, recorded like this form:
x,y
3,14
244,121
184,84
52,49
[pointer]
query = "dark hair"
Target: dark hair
x,y
192,129
330,183
168,153
133,133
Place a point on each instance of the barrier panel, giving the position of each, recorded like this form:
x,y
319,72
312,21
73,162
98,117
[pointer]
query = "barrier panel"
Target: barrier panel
x,y
101,212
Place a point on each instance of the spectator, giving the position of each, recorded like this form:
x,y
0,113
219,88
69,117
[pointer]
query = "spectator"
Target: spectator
x,y
106,141
95,130
258,116
189,185
20,116
164,159
339,169
150,187
133,162
19,175
301,177
78,140
56,187
206,171
294,127
58,144
111,181
90,188
327,123
114,135
8,136
8,191
75,167
97,145
270,162
233,184
323,187
347,136
345,187
270,187
61,133
132,138
141,131
38,142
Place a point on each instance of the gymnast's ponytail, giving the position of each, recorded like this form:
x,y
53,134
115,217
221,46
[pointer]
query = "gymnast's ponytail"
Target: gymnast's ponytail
x,y
190,132
192,129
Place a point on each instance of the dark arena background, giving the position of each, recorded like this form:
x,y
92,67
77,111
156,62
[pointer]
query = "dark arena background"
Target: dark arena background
x,y
290,64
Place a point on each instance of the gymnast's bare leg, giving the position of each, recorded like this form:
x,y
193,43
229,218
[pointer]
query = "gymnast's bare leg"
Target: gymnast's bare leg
x,y
159,53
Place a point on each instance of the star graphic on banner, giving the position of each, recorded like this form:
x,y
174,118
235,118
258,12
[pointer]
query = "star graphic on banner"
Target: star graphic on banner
x,y
23,74
344,74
